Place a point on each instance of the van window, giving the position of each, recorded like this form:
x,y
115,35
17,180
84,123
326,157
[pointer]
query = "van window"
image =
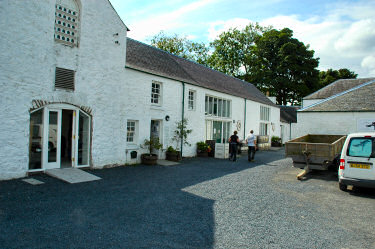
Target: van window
x,y
361,147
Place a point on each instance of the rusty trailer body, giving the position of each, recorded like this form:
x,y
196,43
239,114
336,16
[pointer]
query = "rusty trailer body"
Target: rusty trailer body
x,y
314,151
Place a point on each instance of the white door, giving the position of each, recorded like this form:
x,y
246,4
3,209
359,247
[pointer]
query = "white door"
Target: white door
x,y
52,138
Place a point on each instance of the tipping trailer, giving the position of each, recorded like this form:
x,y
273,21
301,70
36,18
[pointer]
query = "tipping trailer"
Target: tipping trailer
x,y
314,151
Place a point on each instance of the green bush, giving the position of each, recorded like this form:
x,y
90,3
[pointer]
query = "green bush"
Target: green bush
x,y
202,146
275,139
171,149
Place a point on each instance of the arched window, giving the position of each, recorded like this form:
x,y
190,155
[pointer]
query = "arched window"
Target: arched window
x,y
67,22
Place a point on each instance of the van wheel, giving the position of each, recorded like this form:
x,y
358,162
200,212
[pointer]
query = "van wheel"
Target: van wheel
x,y
342,187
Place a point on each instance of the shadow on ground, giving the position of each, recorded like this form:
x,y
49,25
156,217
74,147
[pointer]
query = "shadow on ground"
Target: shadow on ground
x,y
131,207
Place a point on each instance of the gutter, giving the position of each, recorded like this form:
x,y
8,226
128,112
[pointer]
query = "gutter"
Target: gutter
x,y
183,109
244,122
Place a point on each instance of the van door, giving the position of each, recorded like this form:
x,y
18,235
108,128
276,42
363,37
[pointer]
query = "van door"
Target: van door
x,y
360,158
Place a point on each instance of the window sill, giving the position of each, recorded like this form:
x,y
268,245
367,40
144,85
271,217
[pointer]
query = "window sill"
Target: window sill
x,y
156,107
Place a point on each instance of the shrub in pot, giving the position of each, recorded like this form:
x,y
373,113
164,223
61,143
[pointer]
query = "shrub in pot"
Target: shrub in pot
x,y
275,141
172,155
202,149
151,144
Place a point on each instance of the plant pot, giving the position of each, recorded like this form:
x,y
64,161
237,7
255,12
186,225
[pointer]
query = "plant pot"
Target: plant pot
x,y
202,154
275,144
173,156
149,159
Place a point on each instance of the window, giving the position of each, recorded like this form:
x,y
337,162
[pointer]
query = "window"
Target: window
x,y
156,93
66,23
131,131
264,113
217,107
218,131
361,147
191,102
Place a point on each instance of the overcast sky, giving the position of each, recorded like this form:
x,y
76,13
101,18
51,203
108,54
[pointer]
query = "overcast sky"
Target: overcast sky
x,y
342,33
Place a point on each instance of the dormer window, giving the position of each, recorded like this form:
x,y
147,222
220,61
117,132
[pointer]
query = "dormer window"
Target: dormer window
x,y
66,22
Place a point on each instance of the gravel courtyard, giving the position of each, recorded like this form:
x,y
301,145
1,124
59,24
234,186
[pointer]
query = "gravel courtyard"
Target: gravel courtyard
x,y
201,203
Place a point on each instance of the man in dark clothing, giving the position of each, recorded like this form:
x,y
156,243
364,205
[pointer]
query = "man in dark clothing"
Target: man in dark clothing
x,y
233,142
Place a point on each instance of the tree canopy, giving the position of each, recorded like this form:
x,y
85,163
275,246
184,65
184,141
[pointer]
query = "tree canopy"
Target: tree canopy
x,y
181,46
329,76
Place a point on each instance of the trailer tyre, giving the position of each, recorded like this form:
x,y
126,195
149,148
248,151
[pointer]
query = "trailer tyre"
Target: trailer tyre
x,y
342,186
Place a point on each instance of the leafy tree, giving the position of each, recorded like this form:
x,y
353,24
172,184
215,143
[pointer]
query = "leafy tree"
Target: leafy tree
x,y
233,50
181,46
284,66
329,76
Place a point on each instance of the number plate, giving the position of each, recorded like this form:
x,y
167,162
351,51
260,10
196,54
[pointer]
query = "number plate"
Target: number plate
x,y
360,166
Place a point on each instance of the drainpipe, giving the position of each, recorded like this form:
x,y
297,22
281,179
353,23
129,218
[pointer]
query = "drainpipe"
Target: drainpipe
x,y
244,122
183,109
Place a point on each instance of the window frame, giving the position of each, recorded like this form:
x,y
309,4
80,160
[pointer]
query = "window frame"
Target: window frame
x,y
192,100
134,132
217,107
158,94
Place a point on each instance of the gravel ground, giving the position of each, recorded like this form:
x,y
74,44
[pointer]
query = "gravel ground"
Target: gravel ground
x,y
201,203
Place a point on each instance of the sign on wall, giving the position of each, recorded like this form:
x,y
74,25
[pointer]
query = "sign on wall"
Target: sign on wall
x,y
364,125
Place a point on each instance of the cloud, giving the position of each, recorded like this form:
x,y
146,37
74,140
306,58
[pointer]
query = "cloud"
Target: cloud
x,y
343,38
166,21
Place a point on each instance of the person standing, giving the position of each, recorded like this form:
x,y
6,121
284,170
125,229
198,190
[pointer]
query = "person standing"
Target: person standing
x,y
233,142
252,144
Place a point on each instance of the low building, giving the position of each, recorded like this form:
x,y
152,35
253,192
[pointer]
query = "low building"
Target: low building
x,y
343,111
76,92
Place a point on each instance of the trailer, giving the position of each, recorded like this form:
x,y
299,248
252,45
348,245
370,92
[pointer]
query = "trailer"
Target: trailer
x,y
314,152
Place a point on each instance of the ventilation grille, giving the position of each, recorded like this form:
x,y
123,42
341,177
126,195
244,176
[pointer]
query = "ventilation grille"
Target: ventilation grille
x,y
64,79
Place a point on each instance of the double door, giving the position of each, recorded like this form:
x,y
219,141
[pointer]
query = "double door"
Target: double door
x,y
60,139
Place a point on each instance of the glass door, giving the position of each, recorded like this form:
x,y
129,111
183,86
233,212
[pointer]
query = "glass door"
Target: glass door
x,y
51,138
83,139
217,131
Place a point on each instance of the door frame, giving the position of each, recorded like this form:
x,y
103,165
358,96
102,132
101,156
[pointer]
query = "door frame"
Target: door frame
x,y
75,136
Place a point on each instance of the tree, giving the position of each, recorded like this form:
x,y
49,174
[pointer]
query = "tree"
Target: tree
x,y
284,66
181,46
233,50
329,76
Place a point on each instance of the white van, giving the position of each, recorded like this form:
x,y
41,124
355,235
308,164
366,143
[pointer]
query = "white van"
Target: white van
x,y
357,161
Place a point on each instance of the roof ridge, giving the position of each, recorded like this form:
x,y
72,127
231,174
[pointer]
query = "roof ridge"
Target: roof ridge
x,y
338,95
335,82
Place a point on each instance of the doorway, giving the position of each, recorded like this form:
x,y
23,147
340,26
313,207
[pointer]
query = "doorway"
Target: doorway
x,y
66,138
59,137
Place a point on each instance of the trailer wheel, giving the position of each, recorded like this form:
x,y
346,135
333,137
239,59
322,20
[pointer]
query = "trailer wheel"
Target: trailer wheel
x,y
342,186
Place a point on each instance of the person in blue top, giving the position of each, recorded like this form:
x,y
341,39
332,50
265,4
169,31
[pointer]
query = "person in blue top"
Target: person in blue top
x,y
252,144
233,142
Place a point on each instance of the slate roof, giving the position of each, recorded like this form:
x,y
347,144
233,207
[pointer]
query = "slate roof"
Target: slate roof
x,y
337,87
145,58
358,99
288,114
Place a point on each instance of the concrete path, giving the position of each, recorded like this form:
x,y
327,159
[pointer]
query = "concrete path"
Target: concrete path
x,y
72,175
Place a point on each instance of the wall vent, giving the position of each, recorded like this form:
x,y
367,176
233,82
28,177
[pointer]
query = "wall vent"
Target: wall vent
x,y
64,79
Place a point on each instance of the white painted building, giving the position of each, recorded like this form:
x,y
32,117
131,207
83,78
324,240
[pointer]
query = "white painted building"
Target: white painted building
x,y
346,111
75,92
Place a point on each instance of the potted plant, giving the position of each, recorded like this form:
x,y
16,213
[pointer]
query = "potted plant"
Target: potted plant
x,y
172,154
152,144
202,149
180,135
275,141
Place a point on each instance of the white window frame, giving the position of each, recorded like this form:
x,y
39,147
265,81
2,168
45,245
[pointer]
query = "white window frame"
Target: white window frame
x,y
263,129
134,133
217,107
156,96
191,100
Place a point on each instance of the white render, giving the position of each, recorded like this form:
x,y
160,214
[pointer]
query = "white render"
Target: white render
x,y
111,93
334,123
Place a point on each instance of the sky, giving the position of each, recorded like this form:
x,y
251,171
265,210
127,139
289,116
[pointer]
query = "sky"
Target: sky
x,y
341,32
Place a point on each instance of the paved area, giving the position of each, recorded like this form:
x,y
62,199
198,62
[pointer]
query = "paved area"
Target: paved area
x,y
201,203
72,175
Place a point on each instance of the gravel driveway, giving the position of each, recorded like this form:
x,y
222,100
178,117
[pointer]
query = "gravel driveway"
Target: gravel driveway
x,y
201,203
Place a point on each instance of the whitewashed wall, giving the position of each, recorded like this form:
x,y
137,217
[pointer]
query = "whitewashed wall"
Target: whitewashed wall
x,y
28,59
335,123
